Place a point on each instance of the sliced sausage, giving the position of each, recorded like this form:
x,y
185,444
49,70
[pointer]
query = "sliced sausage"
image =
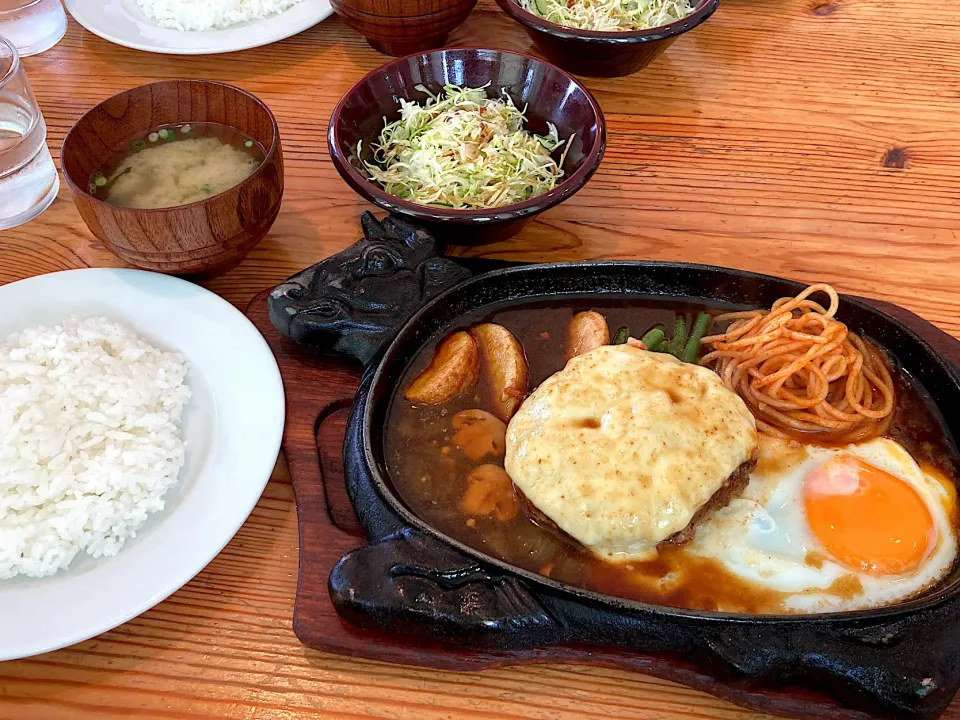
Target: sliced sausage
x,y
587,331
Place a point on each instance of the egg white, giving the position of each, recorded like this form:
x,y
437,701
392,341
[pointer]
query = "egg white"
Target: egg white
x,y
763,536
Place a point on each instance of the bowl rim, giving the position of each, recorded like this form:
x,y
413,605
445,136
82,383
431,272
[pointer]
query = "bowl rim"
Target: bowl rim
x,y
368,190
268,157
704,10
934,597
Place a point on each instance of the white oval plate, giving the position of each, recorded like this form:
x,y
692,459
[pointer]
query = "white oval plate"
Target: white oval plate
x,y
232,426
122,22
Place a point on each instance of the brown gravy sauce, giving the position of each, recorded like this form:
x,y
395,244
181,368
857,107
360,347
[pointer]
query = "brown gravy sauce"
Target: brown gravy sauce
x,y
429,472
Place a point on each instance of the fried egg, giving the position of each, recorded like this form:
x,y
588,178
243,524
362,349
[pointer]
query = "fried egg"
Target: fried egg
x,y
836,528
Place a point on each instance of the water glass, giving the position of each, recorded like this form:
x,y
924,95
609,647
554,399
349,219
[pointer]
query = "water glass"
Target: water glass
x,y
28,177
32,25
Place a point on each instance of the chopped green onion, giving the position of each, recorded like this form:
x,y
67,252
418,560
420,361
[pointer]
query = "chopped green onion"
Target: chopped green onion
x,y
164,133
205,188
610,15
692,349
153,137
248,143
679,339
186,128
99,181
653,337
138,144
623,334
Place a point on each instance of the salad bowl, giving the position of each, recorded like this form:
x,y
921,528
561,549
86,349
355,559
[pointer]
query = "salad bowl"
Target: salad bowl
x,y
549,95
604,54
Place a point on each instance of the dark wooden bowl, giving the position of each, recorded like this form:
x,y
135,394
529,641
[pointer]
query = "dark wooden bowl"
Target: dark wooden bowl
x,y
604,54
205,237
550,94
401,27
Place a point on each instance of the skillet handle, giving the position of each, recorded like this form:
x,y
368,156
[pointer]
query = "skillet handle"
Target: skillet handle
x,y
413,584
902,666
354,302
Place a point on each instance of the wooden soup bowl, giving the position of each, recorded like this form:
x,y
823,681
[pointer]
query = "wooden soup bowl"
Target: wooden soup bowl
x,y
401,27
207,237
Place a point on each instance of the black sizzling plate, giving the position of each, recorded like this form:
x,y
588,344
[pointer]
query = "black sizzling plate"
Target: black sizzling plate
x,y
898,662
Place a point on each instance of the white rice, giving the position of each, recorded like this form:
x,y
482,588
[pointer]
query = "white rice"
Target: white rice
x,y
90,441
209,14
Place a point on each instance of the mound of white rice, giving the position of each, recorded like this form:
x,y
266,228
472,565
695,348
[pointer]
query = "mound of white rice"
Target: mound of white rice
x,y
209,14
89,441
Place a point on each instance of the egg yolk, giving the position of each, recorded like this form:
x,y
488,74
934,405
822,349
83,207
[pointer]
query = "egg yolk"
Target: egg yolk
x,y
866,518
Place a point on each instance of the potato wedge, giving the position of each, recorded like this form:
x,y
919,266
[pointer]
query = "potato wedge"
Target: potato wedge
x,y
504,367
453,370
478,434
587,331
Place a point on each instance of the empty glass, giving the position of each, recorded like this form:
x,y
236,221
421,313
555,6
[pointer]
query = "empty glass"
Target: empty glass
x,y
32,25
28,177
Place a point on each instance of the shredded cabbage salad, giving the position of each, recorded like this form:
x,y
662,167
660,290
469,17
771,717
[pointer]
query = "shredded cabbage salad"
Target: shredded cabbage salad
x,y
610,15
464,150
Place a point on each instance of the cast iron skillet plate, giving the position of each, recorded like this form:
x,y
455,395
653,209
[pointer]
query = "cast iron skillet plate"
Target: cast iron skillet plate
x,y
901,661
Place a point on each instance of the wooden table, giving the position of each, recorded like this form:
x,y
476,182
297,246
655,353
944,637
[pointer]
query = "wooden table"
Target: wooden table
x,y
815,139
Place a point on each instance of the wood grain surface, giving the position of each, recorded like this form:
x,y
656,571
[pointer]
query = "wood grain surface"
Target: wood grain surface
x,y
815,139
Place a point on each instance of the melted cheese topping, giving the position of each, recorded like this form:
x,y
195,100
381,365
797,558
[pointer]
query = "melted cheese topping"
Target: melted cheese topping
x,y
623,446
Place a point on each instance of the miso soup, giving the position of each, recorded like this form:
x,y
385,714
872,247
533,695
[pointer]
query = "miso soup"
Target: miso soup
x,y
177,164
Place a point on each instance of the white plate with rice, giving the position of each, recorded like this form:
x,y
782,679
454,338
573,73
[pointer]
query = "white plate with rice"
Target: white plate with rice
x,y
111,498
197,27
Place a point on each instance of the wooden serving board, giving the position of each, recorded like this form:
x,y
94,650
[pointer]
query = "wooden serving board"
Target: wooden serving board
x,y
319,393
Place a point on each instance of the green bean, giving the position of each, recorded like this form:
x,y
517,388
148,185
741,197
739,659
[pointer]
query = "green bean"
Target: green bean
x,y
622,335
653,337
679,338
691,350
660,347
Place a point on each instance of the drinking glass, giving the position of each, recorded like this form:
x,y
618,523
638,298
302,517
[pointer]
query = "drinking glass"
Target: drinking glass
x,y
28,178
32,25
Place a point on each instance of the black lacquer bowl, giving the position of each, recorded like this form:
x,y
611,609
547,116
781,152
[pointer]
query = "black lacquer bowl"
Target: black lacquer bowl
x,y
896,662
604,54
549,95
